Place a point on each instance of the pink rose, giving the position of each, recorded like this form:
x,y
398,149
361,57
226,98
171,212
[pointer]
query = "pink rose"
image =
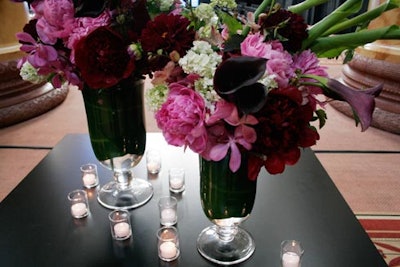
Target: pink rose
x,y
181,118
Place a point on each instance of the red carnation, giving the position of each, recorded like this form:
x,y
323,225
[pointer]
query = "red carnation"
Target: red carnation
x,y
103,59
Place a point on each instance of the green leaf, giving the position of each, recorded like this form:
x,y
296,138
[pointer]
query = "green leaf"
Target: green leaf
x,y
364,18
231,22
322,117
305,5
318,30
333,46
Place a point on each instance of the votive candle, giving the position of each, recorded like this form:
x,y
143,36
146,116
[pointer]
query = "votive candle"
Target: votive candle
x,y
122,230
168,215
168,250
290,259
79,210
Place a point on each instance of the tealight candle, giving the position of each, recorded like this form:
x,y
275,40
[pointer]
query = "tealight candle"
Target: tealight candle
x,y
168,243
89,175
176,180
78,210
153,161
89,179
290,259
176,183
291,253
168,215
122,230
168,250
168,210
79,204
153,167
120,224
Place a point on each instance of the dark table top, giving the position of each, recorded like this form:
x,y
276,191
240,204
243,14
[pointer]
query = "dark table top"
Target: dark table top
x,y
36,228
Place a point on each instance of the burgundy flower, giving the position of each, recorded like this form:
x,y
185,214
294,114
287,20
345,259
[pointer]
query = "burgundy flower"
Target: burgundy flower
x,y
290,26
166,33
103,59
284,126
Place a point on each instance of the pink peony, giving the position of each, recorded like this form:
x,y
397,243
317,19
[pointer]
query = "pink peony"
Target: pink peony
x,y
56,20
181,118
279,61
253,45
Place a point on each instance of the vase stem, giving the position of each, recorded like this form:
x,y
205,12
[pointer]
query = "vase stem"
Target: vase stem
x,y
227,233
123,179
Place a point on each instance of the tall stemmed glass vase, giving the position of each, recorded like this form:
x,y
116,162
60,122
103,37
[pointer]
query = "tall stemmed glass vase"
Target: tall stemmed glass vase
x,y
227,199
115,118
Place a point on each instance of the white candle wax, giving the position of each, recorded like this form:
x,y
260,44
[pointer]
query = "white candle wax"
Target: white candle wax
x,y
290,259
78,209
89,179
153,167
122,229
168,250
176,183
168,215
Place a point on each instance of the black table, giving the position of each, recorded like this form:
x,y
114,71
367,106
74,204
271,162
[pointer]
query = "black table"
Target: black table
x,y
36,228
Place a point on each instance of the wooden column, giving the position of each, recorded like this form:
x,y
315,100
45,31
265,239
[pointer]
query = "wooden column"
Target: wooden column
x,y
374,63
19,100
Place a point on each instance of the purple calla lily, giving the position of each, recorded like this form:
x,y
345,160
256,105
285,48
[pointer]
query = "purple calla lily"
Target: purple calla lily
x,y
236,80
361,101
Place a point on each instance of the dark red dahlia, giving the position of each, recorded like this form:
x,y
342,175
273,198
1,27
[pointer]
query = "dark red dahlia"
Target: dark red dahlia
x,y
284,126
103,59
166,33
290,26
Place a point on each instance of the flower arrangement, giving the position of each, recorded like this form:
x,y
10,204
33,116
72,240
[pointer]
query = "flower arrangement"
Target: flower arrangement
x,y
99,43
223,83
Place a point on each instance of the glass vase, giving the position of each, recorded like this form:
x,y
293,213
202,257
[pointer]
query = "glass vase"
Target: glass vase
x,y
117,132
227,199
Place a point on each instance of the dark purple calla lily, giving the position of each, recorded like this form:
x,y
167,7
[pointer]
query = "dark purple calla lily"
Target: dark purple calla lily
x,y
236,81
361,101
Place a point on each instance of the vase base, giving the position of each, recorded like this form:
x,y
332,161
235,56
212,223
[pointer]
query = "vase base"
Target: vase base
x,y
113,197
211,247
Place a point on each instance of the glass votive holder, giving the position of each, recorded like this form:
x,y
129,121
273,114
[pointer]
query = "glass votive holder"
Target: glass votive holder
x,y
120,224
90,177
153,161
168,243
79,203
176,177
291,253
168,210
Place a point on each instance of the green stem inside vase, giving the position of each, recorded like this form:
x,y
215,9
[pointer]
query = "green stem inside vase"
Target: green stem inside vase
x,y
225,194
116,119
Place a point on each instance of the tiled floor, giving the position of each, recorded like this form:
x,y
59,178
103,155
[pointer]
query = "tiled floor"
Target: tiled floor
x,y
365,166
